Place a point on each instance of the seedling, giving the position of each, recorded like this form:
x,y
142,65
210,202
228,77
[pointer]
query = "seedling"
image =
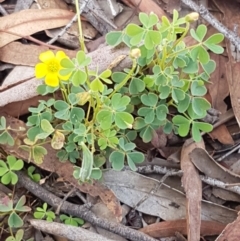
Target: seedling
x,y
6,208
71,220
44,213
7,170
18,236
34,176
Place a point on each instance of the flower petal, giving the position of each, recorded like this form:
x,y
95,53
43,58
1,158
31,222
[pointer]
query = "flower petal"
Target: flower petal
x,y
60,55
45,56
64,77
52,80
40,70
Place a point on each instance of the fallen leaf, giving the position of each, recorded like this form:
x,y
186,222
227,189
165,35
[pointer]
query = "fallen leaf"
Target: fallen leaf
x,y
218,88
193,187
231,17
168,228
29,21
231,231
166,203
26,54
207,165
146,6
221,133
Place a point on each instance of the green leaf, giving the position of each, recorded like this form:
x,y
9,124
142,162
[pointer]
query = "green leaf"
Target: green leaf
x,y
97,85
3,168
147,134
201,53
148,113
46,126
134,157
123,120
82,59
119,102
38,154
6,138
117,160
149,99
198,88
6,204
164,92
2,123
20,205
212,42
79,77
133,30
178,94
68,64
136,86
14,164
183,124
209,67
161,112
76,115
61,105
191,68
96,174
184,104
200,106
152,38
118,77
200,33
139,123
105,118
129,146
14,221
105,76
114,38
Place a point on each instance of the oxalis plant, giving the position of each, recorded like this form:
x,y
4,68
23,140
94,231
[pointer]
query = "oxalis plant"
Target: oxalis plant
x,y
99,114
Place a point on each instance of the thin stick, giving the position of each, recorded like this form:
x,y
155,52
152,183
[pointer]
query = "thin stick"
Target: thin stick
x,y
205,14
80,211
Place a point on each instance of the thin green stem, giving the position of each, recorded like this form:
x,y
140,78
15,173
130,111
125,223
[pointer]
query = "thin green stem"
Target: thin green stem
x,y
125,80
64,91
81,38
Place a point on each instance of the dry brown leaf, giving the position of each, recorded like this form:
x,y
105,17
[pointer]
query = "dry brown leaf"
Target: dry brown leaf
x,y
207,165
25,54
64,170
231,231
221,133
27,22
168,228
173,5
218,88
193,188
231,18
146,6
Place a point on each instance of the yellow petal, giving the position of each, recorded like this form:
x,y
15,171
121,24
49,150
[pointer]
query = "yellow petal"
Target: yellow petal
x,y
64,77
45,56
40,70
52,80
60,55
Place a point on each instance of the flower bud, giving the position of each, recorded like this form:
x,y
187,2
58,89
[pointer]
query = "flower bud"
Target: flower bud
x,y
135,53
191,17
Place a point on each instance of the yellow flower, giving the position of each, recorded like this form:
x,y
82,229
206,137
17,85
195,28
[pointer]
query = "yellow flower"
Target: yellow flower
x,y
50,67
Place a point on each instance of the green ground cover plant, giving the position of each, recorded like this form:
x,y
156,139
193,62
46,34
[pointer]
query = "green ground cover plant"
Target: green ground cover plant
x,y
100,114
